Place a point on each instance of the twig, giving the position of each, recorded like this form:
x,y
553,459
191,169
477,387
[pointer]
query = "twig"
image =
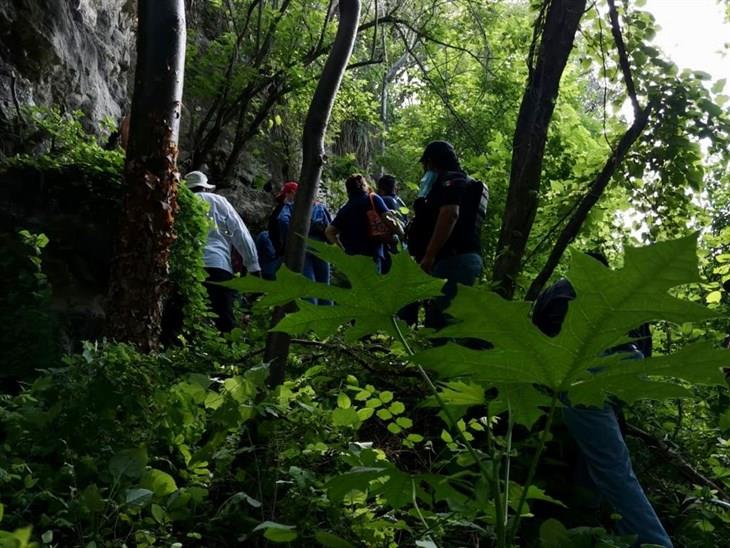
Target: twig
x,y
685,468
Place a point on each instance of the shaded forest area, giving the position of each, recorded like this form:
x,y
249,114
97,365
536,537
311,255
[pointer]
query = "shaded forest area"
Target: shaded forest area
x,y
128,419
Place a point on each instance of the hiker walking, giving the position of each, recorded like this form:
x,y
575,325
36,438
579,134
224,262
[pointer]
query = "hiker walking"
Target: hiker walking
x,y
596,430
444,236
314,268
388,190
363,224
228,230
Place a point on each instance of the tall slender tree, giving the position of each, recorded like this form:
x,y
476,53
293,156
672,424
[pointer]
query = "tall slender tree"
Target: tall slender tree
x,y
313,155
555,30
140,265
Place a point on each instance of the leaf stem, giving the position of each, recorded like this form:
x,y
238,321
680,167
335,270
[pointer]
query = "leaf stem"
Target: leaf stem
x,y
533,468
493,482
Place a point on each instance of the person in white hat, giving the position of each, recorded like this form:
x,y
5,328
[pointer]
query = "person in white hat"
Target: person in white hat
x,y
228,230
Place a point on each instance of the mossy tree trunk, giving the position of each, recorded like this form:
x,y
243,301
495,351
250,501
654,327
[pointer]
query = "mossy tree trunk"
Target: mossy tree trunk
x,y
140,265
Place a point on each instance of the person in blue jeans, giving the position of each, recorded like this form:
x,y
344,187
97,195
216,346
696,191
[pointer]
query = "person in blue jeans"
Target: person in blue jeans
x,y
349,229
444,236
603,452
314,268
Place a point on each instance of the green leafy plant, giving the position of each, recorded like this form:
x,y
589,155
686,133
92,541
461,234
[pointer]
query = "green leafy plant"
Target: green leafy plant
x,y
609,304
64,142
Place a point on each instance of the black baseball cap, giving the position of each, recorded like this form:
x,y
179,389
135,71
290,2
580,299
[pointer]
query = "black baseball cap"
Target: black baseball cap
x,y
441,154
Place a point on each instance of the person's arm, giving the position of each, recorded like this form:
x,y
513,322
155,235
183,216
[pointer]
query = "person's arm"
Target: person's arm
x,y
445,223
241,239
332,233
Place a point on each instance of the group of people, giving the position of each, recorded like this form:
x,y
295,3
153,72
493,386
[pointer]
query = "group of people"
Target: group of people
x,y
443,236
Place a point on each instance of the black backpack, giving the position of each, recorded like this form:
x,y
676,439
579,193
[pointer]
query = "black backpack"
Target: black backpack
x,y
479,192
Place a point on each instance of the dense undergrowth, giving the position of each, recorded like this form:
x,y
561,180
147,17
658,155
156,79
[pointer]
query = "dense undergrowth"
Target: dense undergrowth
x,y
188,447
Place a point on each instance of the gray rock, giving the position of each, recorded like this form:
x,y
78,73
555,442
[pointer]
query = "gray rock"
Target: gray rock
x,y
73,53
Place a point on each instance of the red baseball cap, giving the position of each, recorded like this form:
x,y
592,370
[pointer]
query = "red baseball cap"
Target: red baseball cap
x,y
289,186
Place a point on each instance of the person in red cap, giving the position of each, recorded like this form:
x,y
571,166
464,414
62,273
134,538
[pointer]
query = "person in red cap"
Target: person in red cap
x,y
314,268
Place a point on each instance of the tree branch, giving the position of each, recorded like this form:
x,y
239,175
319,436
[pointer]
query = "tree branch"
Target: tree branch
x,y
668,453
572,228
623,58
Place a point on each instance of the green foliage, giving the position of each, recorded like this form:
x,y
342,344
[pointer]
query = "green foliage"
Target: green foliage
x,y
63,141
25,316
370,302
187,270
575,363
609,304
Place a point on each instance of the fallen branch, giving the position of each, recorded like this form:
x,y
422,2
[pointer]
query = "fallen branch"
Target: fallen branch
x,y
677,460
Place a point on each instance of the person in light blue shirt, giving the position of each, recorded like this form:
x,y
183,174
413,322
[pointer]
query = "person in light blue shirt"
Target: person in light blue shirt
x,y
227,230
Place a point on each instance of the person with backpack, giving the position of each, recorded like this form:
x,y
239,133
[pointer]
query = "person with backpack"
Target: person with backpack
x,y
314,268
228,231
444,236
363,224
388,190
604,456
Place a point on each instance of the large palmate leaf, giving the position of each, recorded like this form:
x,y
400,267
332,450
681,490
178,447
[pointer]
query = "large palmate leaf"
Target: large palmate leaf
x,y
366,307
608,305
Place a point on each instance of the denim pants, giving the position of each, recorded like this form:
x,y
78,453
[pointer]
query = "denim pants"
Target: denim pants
x,y
607,462
462,269
317,270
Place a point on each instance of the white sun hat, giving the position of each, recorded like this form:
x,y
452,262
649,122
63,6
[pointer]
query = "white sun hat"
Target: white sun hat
x,y
196,179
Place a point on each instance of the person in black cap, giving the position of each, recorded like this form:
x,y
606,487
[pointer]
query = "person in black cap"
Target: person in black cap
x,y
444,236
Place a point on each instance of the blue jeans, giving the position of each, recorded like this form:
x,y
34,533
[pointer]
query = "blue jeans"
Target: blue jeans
x,y
607,462
462,269
317,270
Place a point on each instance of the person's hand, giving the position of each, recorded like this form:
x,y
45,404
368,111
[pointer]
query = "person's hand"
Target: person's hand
x,y
427,264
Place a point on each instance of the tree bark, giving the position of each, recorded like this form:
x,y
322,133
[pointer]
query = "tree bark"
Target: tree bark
x,y
315,126
572,228
140,265
561,18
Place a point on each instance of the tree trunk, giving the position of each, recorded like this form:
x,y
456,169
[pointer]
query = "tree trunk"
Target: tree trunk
x,y
571,230
315,126
139,268
558,32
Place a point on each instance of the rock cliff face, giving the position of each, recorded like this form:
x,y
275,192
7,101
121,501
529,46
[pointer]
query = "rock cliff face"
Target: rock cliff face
x,y
74,53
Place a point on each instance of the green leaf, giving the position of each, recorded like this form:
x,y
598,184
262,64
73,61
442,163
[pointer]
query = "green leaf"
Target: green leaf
x,y
608,305
92,500
330,540
47,537
158,513
277,532
129,463
718,86
365,308
2,511
138,497
343,401
159,482
345,417
522,400
365,413
553,534
357,479
397,408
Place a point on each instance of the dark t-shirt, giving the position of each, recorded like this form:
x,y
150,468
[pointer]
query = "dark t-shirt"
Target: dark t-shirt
x,y
450,188
352,222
